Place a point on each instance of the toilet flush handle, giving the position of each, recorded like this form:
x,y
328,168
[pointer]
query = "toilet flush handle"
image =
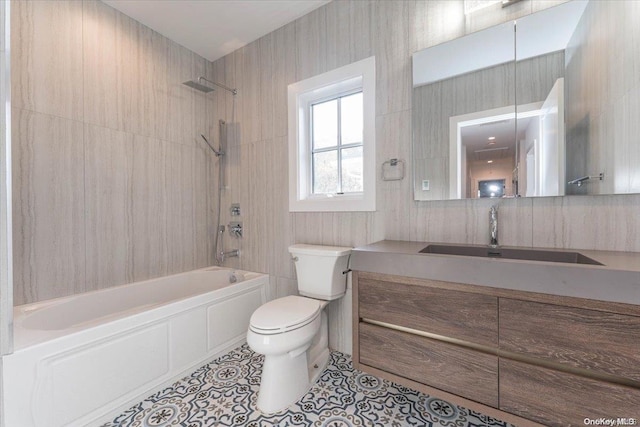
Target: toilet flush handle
x,y
294,259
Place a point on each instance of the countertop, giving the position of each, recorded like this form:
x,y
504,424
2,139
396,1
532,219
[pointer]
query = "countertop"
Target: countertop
x,y
618,280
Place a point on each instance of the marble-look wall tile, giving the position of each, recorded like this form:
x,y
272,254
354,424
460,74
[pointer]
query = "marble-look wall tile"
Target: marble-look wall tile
x,y
142,172
101,56
252,100
150,252
183,101
48,206
435,22
337,21
607,223
360,29
391,47
286,286
46,55
284,73
108,207
339,314
179,207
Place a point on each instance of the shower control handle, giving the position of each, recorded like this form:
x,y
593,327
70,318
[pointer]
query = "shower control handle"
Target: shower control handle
x,y
235,229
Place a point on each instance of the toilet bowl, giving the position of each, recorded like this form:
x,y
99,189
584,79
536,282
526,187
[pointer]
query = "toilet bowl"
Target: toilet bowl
x,y
292,332
285,344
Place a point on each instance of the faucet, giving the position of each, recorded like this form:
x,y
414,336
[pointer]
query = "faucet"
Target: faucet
x,y
493,226
229,254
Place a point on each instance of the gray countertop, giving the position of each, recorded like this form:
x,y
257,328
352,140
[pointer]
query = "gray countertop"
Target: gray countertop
x,y
618,280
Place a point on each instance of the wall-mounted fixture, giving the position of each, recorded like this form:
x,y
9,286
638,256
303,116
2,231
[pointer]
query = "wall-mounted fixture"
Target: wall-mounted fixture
x,y
235,229
393,170
235,209
583,179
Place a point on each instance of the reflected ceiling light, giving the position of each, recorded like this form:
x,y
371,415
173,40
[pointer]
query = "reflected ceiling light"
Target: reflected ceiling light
x,y
489,161
492,138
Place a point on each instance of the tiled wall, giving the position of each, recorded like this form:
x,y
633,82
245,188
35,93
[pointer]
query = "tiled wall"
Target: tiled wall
x,y
603,76
110,183
5,217
340,33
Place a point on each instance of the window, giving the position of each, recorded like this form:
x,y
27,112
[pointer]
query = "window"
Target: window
x,y
336,145
332,140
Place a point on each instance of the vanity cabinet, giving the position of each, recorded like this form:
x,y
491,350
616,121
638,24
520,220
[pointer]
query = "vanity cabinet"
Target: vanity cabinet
x,y
519,356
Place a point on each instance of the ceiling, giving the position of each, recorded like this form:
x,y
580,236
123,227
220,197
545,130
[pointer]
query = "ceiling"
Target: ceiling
x,y
476,138
214,28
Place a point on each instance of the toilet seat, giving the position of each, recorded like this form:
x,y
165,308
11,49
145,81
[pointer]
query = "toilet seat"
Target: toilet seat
x,y
284,314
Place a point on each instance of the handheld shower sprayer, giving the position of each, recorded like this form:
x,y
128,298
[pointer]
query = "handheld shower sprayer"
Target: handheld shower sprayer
x,y
218,152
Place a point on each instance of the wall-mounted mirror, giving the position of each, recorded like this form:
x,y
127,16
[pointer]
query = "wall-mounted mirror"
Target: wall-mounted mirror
x,y
568,73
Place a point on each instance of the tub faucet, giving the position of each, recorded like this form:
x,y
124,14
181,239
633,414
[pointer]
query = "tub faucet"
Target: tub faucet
x,y
229,254
493,226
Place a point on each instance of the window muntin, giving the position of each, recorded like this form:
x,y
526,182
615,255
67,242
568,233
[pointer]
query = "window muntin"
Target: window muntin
x,y
336,144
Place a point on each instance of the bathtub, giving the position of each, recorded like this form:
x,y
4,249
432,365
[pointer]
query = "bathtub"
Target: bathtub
x,y
83,359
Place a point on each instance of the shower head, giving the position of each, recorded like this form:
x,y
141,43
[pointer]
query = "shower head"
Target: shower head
x,y
198,86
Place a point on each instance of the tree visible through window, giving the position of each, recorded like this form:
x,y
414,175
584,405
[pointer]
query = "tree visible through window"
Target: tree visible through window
x,y
336,145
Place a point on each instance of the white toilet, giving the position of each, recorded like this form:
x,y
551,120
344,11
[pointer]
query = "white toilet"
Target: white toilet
x,y
292,333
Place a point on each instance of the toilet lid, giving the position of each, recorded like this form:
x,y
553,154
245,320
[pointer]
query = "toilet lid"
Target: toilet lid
x,y
284,314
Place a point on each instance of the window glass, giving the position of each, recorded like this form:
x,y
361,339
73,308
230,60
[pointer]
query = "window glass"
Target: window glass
x,y
325,178
352,169
351,119
325,124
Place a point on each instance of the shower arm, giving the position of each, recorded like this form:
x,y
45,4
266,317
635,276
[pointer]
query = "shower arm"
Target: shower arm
x,y
233,91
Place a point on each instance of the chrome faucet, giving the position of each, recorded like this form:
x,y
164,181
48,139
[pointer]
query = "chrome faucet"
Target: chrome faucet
x,y
493,226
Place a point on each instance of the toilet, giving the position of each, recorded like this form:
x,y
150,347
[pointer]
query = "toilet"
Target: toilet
x,y
292,332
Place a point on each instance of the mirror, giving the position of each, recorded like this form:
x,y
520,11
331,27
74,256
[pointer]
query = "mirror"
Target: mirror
x,y
566,73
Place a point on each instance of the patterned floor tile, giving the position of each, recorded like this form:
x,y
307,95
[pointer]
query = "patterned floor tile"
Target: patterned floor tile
x,y
224,393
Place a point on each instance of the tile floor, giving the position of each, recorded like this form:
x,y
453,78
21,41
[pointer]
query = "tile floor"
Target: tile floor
x,y
224,393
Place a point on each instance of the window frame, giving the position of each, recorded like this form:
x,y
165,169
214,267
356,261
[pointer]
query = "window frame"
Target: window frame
x,y
343,81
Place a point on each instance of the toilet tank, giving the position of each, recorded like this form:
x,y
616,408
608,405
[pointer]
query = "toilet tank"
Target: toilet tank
x,y
321,270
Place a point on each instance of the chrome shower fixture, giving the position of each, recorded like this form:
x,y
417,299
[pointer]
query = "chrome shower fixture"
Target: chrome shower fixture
x,y
218,152
197,85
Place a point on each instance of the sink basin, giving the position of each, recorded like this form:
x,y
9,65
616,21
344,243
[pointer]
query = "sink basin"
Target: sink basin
x,y
510,253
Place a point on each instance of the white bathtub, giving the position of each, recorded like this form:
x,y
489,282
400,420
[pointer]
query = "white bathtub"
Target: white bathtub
x,y
79,360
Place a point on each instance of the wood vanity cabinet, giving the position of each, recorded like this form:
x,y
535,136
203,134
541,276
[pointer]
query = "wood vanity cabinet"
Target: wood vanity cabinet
x,y
523,357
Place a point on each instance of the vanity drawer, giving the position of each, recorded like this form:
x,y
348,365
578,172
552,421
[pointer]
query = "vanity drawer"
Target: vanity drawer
x,y
461,315
600,341
558,398
451,368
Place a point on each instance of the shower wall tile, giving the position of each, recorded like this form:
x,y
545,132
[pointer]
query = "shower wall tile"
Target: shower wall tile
x,y
48,206
150,251
179,207
143,175
251,100
108,207
204,191
46,55
266,79
101,56
182,103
